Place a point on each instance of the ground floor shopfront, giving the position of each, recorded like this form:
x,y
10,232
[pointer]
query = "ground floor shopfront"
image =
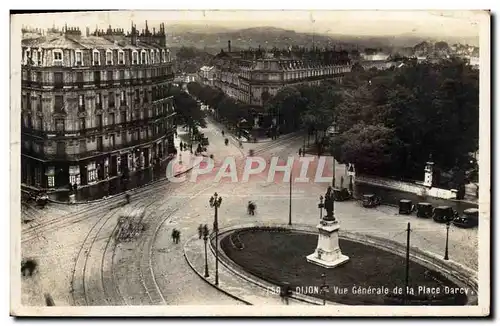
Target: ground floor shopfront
x,y
101,175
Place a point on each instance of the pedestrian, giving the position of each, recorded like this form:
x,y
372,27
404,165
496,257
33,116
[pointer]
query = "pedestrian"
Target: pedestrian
x,y
300,151
200,231
174,235
178,236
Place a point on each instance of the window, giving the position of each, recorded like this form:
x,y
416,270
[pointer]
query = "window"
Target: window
x,y
40,123
123,98
134,57
110,75
152,56
111,99
58,80
82,124
50,181
98,102
97,78
39,77
74,179
163,56
111,119
39,57
58,103
98,121
39,106
79,60
96,60
109,57
92,172
79,79
59,124
137,100
81,102
143,57
123,117
58,57
121,57
122,75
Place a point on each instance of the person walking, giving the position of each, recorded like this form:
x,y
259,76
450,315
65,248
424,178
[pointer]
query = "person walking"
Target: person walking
x,y
300,152
174,235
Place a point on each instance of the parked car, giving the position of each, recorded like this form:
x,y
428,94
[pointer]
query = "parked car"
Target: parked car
x,y
424,210
469,218
406,207
341,194
443,214
370,200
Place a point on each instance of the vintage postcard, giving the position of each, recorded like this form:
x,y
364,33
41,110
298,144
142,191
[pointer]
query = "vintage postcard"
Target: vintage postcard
x,y
197,163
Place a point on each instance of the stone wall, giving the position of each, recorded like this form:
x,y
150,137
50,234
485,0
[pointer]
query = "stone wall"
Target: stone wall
x,y
413,188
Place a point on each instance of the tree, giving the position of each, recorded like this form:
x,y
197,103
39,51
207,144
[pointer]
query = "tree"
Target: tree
x,y
429,109
368,147
189,113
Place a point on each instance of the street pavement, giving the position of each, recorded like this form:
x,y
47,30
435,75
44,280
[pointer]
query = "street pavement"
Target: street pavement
x,y
152,269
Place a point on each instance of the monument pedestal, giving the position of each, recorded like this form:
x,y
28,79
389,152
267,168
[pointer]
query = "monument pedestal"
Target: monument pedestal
x,y
328,253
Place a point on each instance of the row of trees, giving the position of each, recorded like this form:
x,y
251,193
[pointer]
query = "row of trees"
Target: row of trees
x,y
188,112
389,122
227,108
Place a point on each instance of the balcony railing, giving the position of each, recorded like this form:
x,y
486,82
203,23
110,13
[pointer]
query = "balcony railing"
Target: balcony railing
x,y
105,149
97,83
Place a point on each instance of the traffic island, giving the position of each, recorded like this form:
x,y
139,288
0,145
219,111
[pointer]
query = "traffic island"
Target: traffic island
x,y
270,256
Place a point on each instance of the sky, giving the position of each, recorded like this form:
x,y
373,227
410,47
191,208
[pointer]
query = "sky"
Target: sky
x,y
365,23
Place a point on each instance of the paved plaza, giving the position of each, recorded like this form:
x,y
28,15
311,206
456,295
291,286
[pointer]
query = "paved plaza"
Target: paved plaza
x,y
79,264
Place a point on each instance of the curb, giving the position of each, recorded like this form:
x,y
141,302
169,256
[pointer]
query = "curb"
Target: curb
x,y
207,281
457,272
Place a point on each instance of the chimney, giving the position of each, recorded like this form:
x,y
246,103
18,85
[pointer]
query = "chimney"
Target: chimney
x,y
229,46
133,38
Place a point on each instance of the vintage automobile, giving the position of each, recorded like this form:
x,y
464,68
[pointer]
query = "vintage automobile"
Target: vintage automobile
x,y
406,207
424,210
469,218
370,200
443,214
341,194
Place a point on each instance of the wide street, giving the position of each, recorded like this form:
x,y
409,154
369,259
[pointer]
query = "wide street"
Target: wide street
x,y
80,264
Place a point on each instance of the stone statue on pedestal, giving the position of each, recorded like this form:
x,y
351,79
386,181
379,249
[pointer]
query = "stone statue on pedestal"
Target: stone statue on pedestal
x,y
329,203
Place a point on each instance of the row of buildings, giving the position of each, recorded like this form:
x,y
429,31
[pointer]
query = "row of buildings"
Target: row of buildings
x,y
94,106
254,76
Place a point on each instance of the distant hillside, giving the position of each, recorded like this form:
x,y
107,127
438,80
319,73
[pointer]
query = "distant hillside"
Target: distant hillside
x,y
213,38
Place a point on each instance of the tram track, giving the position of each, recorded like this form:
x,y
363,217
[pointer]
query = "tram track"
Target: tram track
x,y
80,215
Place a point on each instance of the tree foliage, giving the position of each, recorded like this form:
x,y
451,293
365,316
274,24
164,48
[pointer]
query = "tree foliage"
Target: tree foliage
x,y
429,108
188,111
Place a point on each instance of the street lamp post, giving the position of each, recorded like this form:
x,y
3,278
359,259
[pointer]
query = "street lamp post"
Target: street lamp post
x,y
215,202
304,146
290,201
320,206
205,239
323,288
447,237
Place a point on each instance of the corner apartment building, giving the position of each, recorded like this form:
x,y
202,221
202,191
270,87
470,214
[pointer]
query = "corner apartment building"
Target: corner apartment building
x,y
94,106
254,76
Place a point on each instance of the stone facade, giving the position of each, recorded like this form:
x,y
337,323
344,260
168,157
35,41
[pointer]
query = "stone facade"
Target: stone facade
x,y
94,106
254,76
